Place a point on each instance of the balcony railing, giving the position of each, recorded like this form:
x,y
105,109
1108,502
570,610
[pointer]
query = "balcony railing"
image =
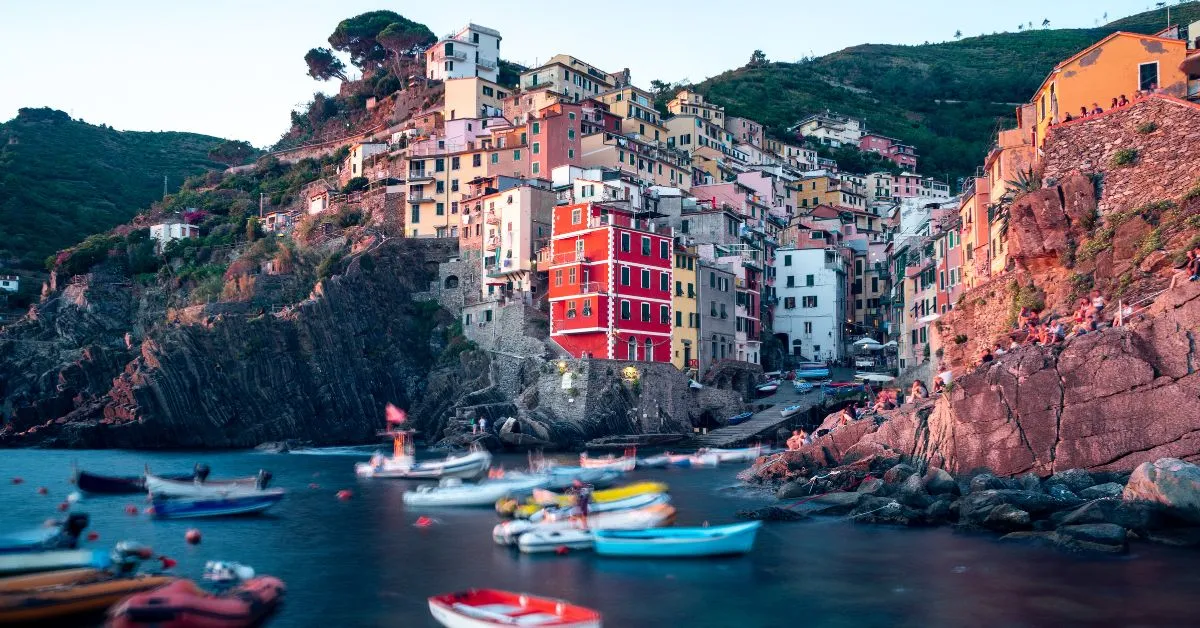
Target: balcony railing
x,y
455,56
591,287
418,174
621,220
570,257
486,63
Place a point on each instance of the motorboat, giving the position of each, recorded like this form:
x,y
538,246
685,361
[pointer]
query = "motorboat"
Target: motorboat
x,y
61,595
705,459
666,459
736,538
488,608
201,486
565,477
508,532
453,492
624,463
747,454
791,411
228,505
62,535
542,541
243,599
548,499
633,502
738,419
403,464
97,484
812,370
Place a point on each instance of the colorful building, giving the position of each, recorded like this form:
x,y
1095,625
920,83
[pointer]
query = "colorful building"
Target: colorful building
x,y
812,288
556,133
574,79
635,108
516,225
610,277
685,337
473,51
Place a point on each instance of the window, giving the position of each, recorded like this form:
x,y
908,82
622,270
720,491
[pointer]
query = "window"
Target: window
x,y
571,275
787,260
664,282
537,148
624,242
791,282
455,163
487,316
808,327
646,312
645,246
570,134
537,128
439,165
570,309
537,167
624,275
632,349
454,183
678,319
809,301
809,280
624,310
664,250
1148,75
576,215
587,307
416,213
516,155
789,303
441,209
558,277
664,313
495,158
723,313
645,278
441,187
570,153
571,114
649,355
712,311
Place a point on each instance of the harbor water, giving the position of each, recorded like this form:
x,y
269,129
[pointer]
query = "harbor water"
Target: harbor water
x,y
362,562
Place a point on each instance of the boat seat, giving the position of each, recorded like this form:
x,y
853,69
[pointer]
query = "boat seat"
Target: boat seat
x,y
508,614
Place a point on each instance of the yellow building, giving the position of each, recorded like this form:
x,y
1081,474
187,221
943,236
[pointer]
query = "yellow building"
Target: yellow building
x,y
635,107
822,188
652,164
473,97
685,336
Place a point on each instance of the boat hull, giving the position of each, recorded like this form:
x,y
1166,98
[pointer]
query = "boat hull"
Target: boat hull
x,y
190,508
678,542
182,604
632,502
546,541
118,485
468,466
53,560
482,494
63,594
749,454
489,608
740,418
167,487
509,532
623,464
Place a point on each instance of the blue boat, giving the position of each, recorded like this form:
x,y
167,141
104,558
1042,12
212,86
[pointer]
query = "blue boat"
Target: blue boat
x,y
16,563
740,418
736,538
812,373
64,535
247,503
802,387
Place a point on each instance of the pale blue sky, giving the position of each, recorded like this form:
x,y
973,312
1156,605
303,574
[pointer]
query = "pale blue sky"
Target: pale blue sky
x,y
234,68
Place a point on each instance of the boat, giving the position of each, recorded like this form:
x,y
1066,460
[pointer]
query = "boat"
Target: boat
x,y
747,454
62,535
768,388
704,460
244,600
814,373
487,608
508,532
738,419
51,560
541,541
543,499
624,463
666,459
453,492
565,477
203,487
60,595
633,502
802,386
233,504
736,538
842,388
119,485
791,411
403,463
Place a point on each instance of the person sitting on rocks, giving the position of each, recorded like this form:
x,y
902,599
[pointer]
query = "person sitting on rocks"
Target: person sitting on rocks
x,y
1114,104
1068,118
1083,112
846,418
919,391
1096,110
998,350
1193,265
986,358
1123,102
1098,302
939,386
797,440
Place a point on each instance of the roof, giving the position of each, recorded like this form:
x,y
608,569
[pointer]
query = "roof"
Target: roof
x,y
824,211
1110,37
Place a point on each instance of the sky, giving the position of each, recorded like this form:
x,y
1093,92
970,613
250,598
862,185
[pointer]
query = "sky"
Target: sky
x,y
235,68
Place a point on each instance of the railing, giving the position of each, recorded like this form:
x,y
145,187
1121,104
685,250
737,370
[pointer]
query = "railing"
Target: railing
x,y
570,257
418,174
591,287
443,55
621,220
486,63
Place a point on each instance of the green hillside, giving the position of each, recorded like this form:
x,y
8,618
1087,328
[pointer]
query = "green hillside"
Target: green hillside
x,y
63,179
947,99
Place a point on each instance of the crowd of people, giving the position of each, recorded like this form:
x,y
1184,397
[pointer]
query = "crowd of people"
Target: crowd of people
x,y
1117,103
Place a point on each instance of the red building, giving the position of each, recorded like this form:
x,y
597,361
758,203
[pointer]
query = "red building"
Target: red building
x,y
610,283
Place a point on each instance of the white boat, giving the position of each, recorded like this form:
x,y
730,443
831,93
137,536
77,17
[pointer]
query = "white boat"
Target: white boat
x,y
489,608
240,487
453,492
541,541
564,477
791,411
704,459
767,388
624,463
748,454
509,532
633,502
403,464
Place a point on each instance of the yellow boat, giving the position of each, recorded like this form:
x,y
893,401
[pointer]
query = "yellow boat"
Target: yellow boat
x,y
542,498
63,594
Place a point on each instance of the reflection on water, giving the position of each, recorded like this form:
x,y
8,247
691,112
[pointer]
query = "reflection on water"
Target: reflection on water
x,y
363,563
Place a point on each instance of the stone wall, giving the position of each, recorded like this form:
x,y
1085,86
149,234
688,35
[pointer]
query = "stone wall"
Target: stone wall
x,y
1166,164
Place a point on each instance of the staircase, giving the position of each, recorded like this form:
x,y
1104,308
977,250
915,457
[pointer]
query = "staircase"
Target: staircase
x,y
765,422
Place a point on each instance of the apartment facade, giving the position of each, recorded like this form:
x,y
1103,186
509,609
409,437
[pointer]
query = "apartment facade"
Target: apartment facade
x,y
516,225
473,51
811,287
716,303
685,336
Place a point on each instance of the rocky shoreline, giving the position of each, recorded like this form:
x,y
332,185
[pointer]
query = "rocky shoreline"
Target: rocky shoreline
x,y
1073,510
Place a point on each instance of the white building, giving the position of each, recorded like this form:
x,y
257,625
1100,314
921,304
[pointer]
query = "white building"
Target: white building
x,y
574,79
472,51
359,155
811,287
168,231
10,283
517,225
831,129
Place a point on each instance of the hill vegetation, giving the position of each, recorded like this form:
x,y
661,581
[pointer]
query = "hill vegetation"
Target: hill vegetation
x,y
62,179
947,99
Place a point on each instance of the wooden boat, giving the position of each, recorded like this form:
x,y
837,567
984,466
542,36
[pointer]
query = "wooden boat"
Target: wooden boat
x,y
542,541
842,388
488,608
791,411
812,373
60,595
166,487
624,463
247,601
508,532
737,538
229,505
452,491
403,464
738,419
747,454
633,502
63,535
51,560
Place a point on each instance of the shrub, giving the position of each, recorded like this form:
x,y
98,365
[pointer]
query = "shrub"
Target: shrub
x,y
1146,128
356,184
1149,244
1124,157
1024,297
1192,194
960,339
1080,284
329,266
367,264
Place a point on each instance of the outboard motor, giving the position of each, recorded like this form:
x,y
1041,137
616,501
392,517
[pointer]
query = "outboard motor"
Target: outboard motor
x,y
201,472
227,574
264,478
127,555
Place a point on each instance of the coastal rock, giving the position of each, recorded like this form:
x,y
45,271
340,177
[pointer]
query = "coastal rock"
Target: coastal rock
x,y
1006,518
1138,516
898,474
986,482
1074,479
1061,492
873,486
884,510
912,493
835,503
975,508
772,513
1169,482
1106,538
1108,489
941,511
794,489
1030,482
1175,537
939,482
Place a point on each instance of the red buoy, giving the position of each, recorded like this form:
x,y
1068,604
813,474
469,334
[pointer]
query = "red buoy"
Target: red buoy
x,y
131,509
423,522
167,563
62,507
192,537
561,550
92,536
149,510
345,494
43,490
17,480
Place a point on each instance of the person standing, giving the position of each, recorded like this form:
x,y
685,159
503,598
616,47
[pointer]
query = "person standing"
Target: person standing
x,y
483,425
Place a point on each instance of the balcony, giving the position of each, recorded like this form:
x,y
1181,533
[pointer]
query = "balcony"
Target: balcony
x,y
420,198
621,220
570,257
492,219
419,175
491,243
442,55
486,63
591,287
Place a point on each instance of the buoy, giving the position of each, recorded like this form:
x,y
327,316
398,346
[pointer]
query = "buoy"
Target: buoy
x,y
63,506
149,510
74,497
345,494
17,480
192,537
167,563
43,490
561,550
314,485
423,522
131,509
92,536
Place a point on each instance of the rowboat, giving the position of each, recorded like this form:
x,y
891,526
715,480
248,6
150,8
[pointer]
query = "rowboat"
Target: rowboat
x,y
812,373
487,608
60,595
243,600
62,535
748,454
541,541
118,485
452,491
802,386
665,460
842,388
469,465
508,532
624,463
633,502
248,503
166,487
791,411
768,388
51,560
738,419
564,477
736,538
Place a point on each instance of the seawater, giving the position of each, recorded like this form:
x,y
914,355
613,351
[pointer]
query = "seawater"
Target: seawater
x,y
362,562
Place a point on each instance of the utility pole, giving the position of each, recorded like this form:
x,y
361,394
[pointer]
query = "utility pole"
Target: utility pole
x,y
164,186
261,198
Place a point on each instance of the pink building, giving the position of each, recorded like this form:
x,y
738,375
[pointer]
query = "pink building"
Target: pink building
x,y
556,131
903,155
906,185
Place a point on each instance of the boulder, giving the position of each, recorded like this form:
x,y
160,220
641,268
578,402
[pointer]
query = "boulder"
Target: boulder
x,y
898,474
835,504
794,489
872,509
912,493
986,482
940,482
1030,482
1138,516
1060,491
1108,489
941,511
1006,518
1036,537
976,507
1074,479
772,513
1107,538
1169,482
873,486
1175,537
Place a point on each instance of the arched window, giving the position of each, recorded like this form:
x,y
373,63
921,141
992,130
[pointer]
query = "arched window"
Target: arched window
x,y
649,355
632,348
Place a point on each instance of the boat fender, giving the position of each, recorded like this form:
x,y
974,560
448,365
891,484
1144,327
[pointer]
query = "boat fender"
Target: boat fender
x,y
43,490
130,509
192,536
345,494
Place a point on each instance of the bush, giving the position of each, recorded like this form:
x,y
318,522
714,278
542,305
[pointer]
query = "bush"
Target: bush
x,y
1080,285
1192,194
1149,244
87,254
960,339
356,184
329,266
1124,157
1146,128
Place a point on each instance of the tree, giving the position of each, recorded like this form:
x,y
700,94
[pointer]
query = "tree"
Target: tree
x,y
1046,23
758,59
659,88
1020,27
323,65
958,34
403,42
359,37
252,229
232,152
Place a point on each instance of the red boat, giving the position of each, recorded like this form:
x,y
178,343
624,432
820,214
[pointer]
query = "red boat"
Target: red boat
x,y
487,608
182,604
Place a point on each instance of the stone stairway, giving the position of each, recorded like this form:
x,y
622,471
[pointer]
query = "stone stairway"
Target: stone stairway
x,y
764,422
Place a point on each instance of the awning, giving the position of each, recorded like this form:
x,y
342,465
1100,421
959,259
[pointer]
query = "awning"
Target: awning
x,y
1191,65
925,320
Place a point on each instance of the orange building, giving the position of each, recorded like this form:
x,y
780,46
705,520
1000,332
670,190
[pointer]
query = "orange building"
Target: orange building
x,y
1120,64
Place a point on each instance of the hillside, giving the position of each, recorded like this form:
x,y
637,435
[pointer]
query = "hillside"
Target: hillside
x,y
64,179
947,99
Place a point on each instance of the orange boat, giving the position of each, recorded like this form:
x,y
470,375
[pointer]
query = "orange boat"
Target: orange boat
x,y
488,608
182,604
